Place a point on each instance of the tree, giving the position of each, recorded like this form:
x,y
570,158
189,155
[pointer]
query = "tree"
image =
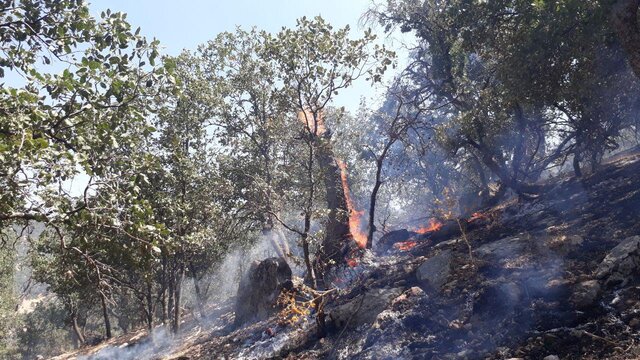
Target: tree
x,y
498,84
60,124
317,63
8,298
624,15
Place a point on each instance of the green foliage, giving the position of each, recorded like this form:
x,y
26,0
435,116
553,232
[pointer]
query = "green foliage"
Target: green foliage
x,y
79,119
520,85
8,300
43,331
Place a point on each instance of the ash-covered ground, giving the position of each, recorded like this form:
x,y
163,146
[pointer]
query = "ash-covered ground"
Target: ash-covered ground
x,y
550,277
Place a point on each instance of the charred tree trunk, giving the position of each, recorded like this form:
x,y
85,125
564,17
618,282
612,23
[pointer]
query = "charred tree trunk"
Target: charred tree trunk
x,y
170,293
150,309
520,146
372,206
477,165
624,18
306,253
163,290
337,231
576,164
177,298
199,294
105,315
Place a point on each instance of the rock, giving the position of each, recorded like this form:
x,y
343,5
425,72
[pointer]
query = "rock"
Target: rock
x,y
506,248
433,273
259,289
622,262
564,243
362,309
551,357
585,294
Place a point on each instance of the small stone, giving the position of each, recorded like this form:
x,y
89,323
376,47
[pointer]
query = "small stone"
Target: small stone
x,y
551,357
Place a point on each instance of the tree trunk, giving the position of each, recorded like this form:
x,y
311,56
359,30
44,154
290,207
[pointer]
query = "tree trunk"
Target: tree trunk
x,y
105,315
170,292
163,291
624,18
372,204
520,187
305,249
337,231
519,148
150,309
576,164
76,329
177,296
199,295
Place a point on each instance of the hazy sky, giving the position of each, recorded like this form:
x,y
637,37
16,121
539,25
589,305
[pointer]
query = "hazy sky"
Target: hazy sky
x,y
188,23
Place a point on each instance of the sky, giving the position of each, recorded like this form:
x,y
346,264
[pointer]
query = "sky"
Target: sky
x,y
186,24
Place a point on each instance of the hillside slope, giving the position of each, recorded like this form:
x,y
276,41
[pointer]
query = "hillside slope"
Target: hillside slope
x,y
553,276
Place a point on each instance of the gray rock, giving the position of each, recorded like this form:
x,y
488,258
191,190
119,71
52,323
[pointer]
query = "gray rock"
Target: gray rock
x,y
363,309
506,248
551,357
259,289
564,243
586,294
621,263
433,273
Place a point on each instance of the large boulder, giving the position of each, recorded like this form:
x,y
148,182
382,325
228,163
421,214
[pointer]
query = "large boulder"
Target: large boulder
x,y
503,249
259,289
621,264
433,273
363,309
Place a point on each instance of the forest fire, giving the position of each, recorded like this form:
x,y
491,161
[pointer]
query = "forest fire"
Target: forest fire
x,y
434,225
405,245
355,216
478,215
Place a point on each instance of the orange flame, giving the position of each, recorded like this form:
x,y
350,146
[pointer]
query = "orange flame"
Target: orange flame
x,y
405,245
355,216
434,225
477,215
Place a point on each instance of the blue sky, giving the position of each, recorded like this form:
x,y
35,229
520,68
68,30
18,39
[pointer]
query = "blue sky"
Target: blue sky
x,y
186,24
